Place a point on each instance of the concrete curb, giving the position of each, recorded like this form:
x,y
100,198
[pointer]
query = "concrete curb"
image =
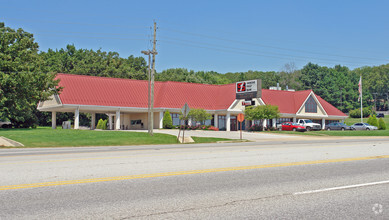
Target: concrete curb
x,y
5,142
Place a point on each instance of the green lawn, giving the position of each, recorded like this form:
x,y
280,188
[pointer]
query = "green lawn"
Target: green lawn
x,y
351,121
47,137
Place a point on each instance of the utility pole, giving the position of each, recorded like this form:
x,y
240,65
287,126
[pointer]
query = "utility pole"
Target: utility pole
x,y
150,104
154,52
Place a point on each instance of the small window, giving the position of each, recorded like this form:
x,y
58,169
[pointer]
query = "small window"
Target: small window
x,y
175,118
136,122
310,105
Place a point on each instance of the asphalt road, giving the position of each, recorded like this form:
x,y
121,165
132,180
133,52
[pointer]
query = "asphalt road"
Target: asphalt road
x,y
301,179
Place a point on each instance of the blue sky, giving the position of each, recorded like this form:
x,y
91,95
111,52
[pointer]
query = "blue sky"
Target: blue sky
x,y
223,36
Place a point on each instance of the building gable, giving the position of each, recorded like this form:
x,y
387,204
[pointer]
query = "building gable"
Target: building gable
x,y
311,107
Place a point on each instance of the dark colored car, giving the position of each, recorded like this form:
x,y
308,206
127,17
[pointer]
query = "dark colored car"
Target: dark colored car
x,y
338,126
290,126
380,115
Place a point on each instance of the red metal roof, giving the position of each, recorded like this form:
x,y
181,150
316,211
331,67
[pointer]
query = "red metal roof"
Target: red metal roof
x,y
103,91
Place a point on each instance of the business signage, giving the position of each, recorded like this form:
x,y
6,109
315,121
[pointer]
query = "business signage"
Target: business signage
x,y
246,103
249,89
246,86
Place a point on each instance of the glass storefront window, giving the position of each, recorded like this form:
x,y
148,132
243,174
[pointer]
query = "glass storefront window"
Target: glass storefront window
x,y
222,122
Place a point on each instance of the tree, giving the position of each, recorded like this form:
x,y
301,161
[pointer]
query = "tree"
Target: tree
x,y
22,84
262,112
94,63
167,120
372,120
381,124
199,115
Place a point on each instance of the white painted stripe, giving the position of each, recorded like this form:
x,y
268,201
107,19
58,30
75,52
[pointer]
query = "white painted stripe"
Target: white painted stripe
x,y
341,187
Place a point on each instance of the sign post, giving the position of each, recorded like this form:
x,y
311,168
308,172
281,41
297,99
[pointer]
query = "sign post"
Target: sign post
x,y
241,119
185,111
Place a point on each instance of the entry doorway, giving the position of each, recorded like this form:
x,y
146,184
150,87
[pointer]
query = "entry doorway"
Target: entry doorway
x,y
234,123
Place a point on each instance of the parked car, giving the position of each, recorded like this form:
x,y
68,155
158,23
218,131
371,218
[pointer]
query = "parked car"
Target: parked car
x,y
290,126
5,124
309,124
338,126
380,115
363,126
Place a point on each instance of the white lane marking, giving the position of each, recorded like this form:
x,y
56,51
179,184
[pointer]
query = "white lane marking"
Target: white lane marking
x,y
341,187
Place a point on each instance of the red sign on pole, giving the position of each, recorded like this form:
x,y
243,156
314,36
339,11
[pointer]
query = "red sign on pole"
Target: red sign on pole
x,y
240,117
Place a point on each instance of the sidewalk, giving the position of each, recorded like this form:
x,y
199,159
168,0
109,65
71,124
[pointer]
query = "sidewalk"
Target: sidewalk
x,y
251,136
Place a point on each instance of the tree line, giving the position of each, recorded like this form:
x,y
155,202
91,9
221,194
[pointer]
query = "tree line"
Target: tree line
x,y
27,77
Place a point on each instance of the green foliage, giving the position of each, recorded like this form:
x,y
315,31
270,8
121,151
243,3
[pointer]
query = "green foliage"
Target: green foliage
x,y
100,124
356,113
262,112
22,85
199,115
381,124
167,120
372,120
94,63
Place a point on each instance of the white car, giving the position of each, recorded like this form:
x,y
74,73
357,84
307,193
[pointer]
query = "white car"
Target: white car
x,y
363,126
5,124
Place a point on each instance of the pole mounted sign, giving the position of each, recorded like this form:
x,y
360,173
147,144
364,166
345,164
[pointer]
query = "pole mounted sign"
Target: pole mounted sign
x,y
249,89
185,110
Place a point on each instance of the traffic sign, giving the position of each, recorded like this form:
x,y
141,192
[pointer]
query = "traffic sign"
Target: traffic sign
x,y
240,117
185,110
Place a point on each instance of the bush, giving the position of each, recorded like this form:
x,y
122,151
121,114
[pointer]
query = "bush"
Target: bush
x,y
99,124
381,124
198,127
256,128
372,121
104,124
167,120
356,113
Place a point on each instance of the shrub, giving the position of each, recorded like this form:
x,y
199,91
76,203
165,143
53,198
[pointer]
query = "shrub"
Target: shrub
x,y
372,121
167,120
104,124
356,113
99,124
381,124
256,128
213,128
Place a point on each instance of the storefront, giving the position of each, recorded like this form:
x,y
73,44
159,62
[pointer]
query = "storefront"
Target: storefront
x,y
125,102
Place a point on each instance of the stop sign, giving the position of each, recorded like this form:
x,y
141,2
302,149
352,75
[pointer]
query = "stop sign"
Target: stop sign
x,y
241,117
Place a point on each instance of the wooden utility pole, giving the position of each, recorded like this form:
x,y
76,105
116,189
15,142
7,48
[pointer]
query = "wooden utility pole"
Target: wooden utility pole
x,y
150,73
154,52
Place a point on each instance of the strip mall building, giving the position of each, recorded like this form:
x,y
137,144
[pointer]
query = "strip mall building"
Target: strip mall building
x,y
125,102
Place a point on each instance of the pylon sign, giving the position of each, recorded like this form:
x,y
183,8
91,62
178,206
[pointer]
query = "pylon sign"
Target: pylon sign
x,y
249,89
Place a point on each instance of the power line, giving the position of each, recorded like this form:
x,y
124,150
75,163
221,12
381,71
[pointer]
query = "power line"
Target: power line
x,y
255,51
74,23
267,46
93,37
257,54
94,33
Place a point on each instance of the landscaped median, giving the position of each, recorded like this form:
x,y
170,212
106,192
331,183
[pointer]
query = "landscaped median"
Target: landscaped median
x,y
47,137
